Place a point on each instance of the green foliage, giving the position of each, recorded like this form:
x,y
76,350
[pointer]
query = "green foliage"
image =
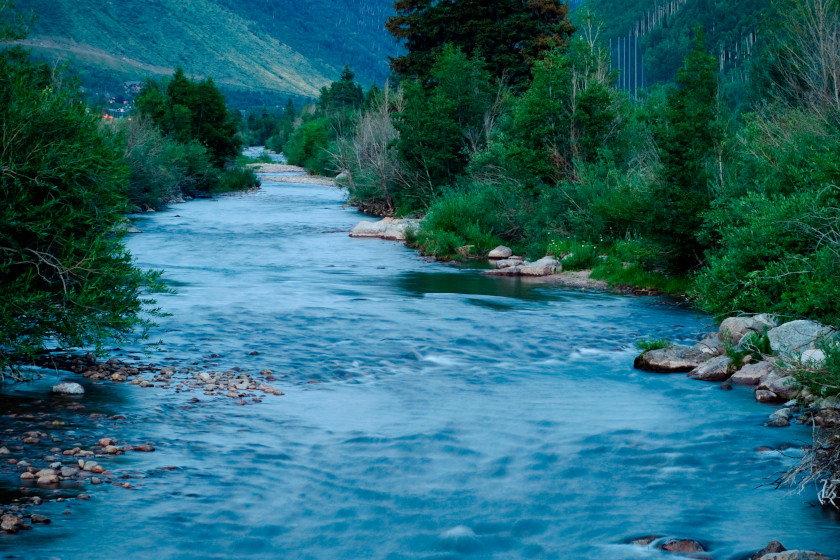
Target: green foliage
x,y
821,379
651,343
439,127
66,278
306,147
478,216
237,179
568,114
509,34
752,344
574,254
192,111
687,138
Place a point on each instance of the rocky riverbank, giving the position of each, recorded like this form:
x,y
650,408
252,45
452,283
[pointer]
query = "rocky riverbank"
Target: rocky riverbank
x,y
546,270
783,363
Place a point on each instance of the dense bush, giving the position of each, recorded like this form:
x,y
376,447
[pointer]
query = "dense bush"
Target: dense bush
x,y
65,275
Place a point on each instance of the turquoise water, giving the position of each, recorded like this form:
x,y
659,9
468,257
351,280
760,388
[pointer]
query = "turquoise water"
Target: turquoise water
x,y
430,412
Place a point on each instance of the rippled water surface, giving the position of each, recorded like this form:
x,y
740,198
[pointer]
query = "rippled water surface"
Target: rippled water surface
x,y
430,412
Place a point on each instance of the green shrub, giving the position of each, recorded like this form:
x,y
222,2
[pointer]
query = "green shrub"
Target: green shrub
x,y
237,179
66,278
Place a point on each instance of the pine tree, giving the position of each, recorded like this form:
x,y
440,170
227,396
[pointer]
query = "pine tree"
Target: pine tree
x,y
687,140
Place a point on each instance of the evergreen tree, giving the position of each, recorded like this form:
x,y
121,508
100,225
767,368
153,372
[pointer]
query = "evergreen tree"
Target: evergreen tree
x,y
509,34
687,140
188,111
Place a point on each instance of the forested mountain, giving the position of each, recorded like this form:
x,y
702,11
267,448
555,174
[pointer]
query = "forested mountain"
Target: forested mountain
x,y
275,47
664,28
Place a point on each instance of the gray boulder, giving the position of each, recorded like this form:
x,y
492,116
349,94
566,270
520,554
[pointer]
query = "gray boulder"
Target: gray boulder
x,y
718,368
785,387
796,336
711,344
546,266
794,555
387,228
674,359
752,374
733,329
68,388
507,263
500,252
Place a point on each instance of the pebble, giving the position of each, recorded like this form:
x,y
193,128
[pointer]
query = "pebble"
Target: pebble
x,y
38,518
145,448
95,480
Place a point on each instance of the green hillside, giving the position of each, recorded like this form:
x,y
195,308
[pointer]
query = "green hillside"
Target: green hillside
x,y
257,50
731,27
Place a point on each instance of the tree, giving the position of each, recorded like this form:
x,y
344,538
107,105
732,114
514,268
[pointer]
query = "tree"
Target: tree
x,y
687,140
441,127
509,34
65,275
188,110
568,113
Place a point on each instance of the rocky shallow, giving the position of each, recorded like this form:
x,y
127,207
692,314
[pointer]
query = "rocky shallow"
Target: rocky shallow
x,y
46,461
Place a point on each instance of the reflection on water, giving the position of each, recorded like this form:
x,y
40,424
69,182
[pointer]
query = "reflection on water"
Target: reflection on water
x,y
452,415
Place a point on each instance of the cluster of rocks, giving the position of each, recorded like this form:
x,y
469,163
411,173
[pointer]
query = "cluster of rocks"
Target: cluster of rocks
x,y
59,471
392,229
232,383
793,345
694,549
508,264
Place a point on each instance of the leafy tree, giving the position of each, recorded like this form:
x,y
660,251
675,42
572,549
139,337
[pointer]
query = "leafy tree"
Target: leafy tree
x,y
509,34
65,275
342,96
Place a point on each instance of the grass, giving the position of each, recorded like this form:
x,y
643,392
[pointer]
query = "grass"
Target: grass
x,y
650,343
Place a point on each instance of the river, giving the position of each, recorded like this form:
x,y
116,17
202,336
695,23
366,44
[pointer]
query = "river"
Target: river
x,y
430,412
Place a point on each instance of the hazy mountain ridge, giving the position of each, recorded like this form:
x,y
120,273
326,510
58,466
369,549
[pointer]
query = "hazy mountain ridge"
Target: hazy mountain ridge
x,y
260,45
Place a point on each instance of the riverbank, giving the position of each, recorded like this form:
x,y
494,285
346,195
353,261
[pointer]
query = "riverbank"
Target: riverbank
x,y
284,173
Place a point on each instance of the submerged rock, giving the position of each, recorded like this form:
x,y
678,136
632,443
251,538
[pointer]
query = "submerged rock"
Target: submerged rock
x,y
682,546
674,359
772,546
68,388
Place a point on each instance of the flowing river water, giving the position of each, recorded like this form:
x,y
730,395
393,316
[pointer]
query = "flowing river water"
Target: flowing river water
x,y
430,412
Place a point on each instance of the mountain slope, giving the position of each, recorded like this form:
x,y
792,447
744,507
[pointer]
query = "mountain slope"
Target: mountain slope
x,y
242,45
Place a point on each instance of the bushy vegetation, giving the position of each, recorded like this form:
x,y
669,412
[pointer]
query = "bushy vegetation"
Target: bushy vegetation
x,y
183,142
66,278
